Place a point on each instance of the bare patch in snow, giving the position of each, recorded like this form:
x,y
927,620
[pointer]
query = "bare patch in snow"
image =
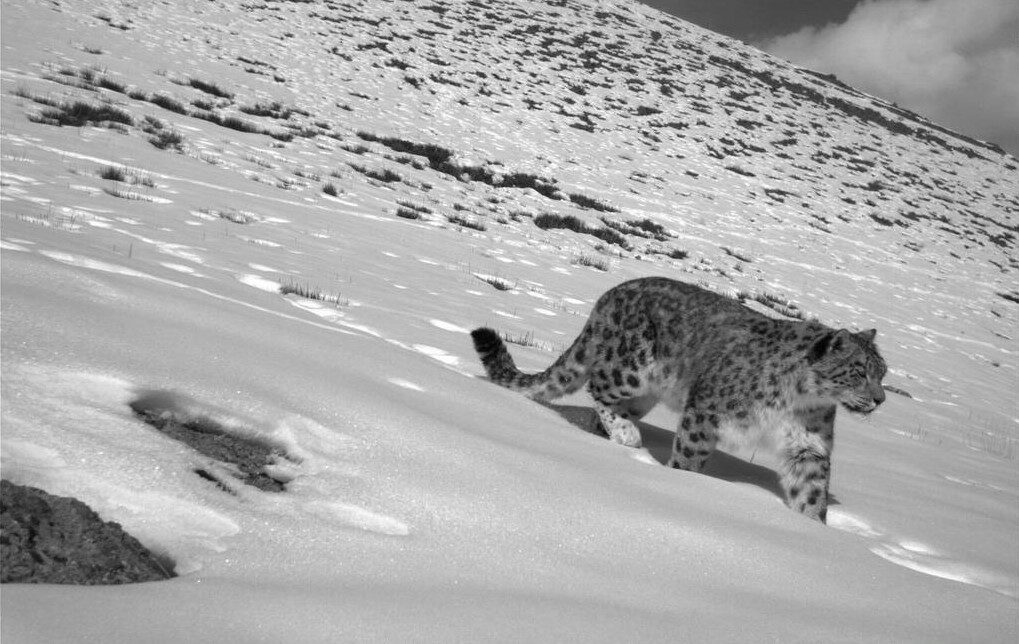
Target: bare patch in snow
x,y
248,458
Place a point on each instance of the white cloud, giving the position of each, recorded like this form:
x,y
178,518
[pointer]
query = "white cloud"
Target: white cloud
x,y
954,61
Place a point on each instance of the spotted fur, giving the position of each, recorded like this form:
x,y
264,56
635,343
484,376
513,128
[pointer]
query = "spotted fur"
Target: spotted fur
x,y
721,365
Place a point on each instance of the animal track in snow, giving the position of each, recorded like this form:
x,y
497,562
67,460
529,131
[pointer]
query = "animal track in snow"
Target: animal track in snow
x,y
358,517
922,557
848,523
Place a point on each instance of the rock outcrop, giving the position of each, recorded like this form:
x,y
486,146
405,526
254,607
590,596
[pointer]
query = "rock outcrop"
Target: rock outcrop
x,y
60,540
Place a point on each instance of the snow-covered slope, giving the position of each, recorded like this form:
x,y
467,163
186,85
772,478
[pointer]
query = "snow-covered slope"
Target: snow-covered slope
x,y
394,157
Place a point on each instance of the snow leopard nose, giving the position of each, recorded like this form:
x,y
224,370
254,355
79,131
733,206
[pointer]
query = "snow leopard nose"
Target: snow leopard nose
x,y
878,394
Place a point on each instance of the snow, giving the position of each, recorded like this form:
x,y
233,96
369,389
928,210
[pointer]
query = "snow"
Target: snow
x,y
423,502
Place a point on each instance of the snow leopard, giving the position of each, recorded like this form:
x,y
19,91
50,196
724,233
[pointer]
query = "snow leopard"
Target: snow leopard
x,y
721,365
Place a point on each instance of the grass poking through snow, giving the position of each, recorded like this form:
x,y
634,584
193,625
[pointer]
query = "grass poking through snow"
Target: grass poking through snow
x,y
311,293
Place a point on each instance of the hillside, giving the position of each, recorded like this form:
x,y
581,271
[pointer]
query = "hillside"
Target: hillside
x,y
282,218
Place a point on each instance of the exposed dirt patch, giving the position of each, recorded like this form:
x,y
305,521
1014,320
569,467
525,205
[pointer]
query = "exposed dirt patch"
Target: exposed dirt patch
x,y
249,456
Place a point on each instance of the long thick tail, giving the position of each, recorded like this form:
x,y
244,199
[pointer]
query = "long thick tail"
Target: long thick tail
x,y
567,374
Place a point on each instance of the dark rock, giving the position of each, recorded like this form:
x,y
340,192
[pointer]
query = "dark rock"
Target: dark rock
x,y
60,540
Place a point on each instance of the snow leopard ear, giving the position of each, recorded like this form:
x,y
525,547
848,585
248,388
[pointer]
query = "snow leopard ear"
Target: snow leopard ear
x,y
820,348
827,344
868,335
840,339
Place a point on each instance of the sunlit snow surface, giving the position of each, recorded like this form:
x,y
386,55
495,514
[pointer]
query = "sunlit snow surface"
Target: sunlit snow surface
x,y
424,503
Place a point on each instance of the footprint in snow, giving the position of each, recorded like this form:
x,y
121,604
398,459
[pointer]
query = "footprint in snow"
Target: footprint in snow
x,y
841,520
357,517
923,558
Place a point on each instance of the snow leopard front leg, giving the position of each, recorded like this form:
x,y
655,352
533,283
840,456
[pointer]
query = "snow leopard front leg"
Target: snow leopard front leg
x,y
621,430
806,467
620,400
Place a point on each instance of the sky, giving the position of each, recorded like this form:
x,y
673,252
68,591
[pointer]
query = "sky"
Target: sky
x,y
953,61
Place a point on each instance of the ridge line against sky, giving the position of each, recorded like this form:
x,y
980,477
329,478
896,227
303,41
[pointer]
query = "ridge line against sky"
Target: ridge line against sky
x,y
955,62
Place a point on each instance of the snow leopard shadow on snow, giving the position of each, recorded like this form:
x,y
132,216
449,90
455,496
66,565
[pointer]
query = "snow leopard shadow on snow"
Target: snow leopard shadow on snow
x,y
658,443
232,451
